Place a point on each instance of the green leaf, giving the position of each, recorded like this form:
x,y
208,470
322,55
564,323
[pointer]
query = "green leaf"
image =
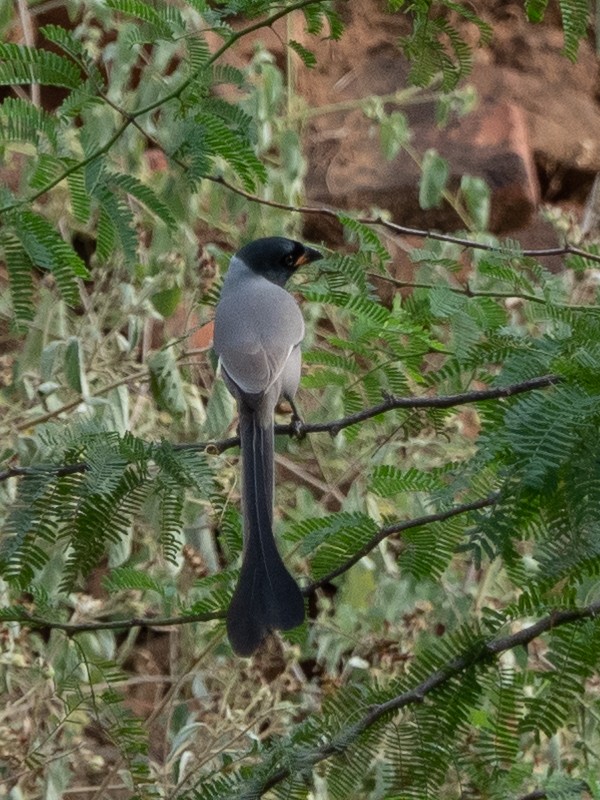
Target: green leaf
x,y
128,578
116,223
131,185
535,10
360,306
21,121
20,64
314,17
387,481
64,39
47,169
434,178
337,537
19,267
545,429
80,199
476,196
166,382
437,47
369,240
394,134
219,140
105,236
220,411
167,300
198,52
165,21
575,14
308,58
74,366
47,249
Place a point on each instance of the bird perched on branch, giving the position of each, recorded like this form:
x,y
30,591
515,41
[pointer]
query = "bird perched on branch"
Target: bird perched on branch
x,y
258,331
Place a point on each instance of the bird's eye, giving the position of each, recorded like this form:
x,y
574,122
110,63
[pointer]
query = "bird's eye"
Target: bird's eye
x,y
289,260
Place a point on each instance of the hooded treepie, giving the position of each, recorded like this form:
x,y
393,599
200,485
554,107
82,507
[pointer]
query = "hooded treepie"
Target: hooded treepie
x,y
258,331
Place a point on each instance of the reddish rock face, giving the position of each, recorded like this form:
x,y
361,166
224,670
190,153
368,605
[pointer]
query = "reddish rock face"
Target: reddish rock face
x,y
490,143
535,136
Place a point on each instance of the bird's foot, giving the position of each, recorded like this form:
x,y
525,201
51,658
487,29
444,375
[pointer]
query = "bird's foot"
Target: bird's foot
x,y
297,430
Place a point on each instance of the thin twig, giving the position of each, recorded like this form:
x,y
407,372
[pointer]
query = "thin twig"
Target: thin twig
x,y
399,527
467,291
72,628
446,401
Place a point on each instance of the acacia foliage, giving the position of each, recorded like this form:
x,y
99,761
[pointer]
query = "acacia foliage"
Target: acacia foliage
x,y
98,419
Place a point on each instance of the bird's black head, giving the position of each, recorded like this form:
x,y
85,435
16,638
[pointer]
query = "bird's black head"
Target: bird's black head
x,y
276,258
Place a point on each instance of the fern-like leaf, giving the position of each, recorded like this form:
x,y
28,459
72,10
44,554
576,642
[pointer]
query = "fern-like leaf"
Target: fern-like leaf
x,y
21,121
575,15
307,56
23,65
164,20
545,429
19,267
47,249
220,141
128,579
131,185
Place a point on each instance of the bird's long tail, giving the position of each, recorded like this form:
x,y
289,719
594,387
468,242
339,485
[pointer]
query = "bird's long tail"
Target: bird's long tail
x,y
266,597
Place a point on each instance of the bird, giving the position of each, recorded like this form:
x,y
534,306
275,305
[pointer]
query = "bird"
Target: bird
x,y
257,335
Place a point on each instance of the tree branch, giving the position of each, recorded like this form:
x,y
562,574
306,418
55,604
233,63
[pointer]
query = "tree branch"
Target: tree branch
x,y
72,628
333,427
445,401
399,527
482,652
467,291
403,230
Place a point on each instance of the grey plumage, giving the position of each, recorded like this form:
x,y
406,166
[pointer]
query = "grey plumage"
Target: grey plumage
x,y
258,331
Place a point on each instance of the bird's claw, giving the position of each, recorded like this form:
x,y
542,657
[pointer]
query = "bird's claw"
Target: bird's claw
x,y
297,430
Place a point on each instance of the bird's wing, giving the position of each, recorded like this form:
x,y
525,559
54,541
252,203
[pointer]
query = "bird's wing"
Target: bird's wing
x,y
255,335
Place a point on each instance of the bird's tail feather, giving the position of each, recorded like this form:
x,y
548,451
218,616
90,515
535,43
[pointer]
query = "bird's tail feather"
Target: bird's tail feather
x,y
266,597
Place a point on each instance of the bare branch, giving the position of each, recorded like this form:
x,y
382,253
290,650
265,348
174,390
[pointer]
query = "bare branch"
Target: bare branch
x,y
446,401
467,291
28,472
71,628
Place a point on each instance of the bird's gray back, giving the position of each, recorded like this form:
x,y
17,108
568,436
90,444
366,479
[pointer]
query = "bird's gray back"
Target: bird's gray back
x,y
257,325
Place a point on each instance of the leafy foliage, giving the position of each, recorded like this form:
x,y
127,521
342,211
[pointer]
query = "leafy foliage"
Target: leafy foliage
x,y
435,45
434,532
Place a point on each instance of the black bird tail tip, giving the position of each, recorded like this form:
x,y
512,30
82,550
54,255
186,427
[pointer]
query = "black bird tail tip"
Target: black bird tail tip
x,y
262,603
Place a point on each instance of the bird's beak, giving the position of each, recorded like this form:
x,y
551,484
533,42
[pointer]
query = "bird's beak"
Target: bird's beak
x,y
308,256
